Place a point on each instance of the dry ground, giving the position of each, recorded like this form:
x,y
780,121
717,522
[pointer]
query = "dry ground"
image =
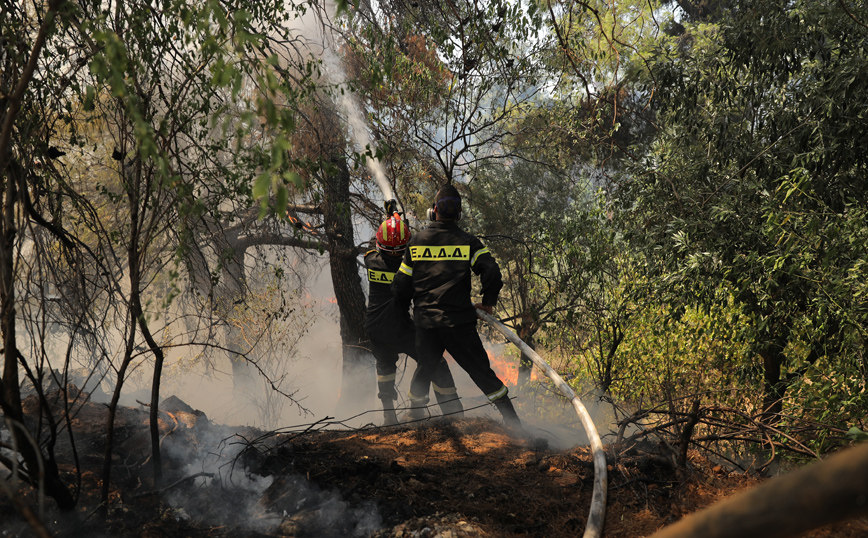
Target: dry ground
x,y
442,478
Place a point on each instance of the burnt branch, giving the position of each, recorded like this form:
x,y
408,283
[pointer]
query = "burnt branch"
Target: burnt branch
x,y
722,432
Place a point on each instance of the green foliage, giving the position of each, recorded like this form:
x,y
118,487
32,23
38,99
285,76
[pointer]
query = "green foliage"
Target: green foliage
x,y
596,111
512,208
856,434
756,180
668,356
569,278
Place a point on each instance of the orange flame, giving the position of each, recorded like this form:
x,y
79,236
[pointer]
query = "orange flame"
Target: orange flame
x,y
309,301
298,223
507,369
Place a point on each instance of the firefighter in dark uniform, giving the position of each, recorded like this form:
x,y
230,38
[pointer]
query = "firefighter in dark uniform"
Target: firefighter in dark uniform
x,y
391,330
436,275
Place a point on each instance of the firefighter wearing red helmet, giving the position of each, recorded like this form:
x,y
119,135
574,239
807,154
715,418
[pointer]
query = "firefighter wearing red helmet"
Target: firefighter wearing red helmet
x,y
393,235
391,331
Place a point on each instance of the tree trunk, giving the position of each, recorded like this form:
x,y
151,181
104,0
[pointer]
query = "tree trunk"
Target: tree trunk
x,y
10,394
112,414
154,418
774,387
358,381
607,377
231,293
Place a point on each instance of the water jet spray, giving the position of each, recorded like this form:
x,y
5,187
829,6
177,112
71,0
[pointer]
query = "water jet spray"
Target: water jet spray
x,y
358,127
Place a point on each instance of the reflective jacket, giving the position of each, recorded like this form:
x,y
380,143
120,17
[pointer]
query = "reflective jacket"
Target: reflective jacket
x,y
435,275
382,319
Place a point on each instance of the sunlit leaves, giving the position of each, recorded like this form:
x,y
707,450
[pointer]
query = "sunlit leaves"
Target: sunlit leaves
x,y
757,179
856,434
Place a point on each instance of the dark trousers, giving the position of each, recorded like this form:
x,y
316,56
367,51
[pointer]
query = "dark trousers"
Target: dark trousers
x,y
386,352
465,346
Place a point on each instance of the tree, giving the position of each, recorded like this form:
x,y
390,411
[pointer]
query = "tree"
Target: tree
x,y
513,207
598,112
459,76
24,38
756,180
136,98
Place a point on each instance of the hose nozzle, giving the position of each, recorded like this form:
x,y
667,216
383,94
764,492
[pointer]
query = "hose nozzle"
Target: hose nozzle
x,y
391,207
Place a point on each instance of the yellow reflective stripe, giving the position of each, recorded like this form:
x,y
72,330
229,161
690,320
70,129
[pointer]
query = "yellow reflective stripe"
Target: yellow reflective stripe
x,y
483,250
385,378
384,232
380,276
417,401
442,253
401,229
498,394
406,269
444,390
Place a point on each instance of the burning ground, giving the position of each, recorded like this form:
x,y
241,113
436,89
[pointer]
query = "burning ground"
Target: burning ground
x,y
446,478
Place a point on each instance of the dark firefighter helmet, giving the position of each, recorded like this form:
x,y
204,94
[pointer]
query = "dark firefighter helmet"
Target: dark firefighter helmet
x,y
393,234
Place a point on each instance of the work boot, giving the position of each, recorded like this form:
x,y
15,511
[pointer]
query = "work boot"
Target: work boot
x,y
390,418
450,405
414,414
418,411
510,417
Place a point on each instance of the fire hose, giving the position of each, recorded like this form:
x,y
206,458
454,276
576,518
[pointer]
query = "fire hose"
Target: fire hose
x,y
597,513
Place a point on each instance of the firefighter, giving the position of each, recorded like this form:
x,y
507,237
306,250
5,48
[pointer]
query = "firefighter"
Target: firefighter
x,y
436,276
391,330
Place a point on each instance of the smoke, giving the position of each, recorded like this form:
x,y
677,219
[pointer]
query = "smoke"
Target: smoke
x,y
544,412
307,366
228,490
309,510
315,370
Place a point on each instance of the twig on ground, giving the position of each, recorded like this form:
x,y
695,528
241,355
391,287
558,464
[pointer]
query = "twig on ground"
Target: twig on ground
x,y
172,485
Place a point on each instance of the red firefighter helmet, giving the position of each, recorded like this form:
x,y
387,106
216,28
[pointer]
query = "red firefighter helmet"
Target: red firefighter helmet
x,y
393,234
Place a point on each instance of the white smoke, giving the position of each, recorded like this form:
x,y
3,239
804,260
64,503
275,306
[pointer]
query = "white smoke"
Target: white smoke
x,y
227,486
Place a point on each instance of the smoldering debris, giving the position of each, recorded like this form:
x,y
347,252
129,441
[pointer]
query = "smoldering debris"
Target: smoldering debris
x,y
306,509
206,484
461,478
282,506
228,492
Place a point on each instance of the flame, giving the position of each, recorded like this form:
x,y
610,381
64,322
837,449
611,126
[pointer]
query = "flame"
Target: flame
x,y
298,223
507,369
309,301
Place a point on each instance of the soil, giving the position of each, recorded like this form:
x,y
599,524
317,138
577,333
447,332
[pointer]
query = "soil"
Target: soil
x,y
441,478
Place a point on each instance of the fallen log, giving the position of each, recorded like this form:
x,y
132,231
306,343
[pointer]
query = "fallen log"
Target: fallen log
x,y
832,490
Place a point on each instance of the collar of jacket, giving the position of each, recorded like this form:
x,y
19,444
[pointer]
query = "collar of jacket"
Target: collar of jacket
x,y
444,224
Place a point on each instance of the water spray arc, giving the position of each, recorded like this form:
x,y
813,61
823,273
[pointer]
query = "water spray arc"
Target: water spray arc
x,y
355,118
597,514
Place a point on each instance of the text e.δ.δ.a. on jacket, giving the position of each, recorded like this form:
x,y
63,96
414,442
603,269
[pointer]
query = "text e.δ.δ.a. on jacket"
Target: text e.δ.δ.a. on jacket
x,y
436,275
383,319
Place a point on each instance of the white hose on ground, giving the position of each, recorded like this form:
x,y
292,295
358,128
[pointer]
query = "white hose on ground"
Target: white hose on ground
x,y
597,514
